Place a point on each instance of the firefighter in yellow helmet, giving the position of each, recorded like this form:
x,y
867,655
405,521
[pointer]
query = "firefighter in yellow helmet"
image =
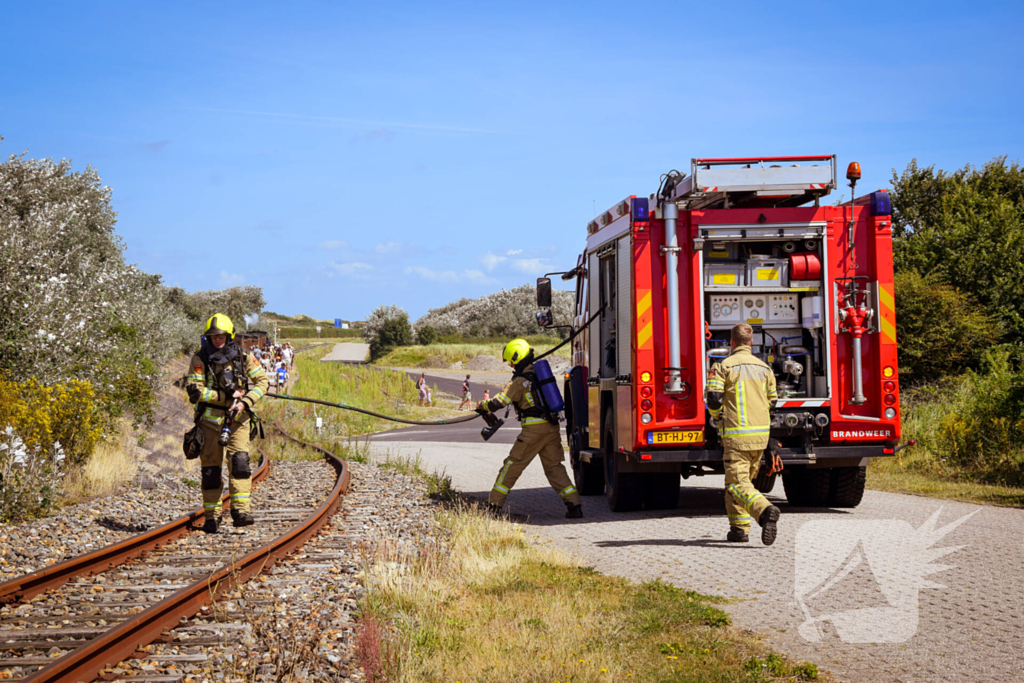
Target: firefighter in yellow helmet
x,y
539,436
740,395
224,383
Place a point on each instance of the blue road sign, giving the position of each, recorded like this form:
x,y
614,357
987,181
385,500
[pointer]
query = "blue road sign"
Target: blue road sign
x,y
337,322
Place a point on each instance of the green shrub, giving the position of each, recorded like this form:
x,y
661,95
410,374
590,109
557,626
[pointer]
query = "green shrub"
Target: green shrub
x,y
426,335
965,228
389,333
940,330
972,425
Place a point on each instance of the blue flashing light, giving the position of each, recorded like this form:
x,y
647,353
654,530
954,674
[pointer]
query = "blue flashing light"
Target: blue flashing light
x,y
640,209
881,204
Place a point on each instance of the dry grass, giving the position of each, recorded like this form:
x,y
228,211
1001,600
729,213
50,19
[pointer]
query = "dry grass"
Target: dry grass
x,y
482,603
916,473
114,462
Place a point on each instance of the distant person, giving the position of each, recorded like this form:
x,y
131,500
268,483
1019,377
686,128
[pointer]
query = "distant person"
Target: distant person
x,y
421,384
467,395
487,394
286,355
282,377
430,396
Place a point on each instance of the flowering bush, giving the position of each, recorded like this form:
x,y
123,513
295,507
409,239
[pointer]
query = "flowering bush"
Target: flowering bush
x,y
386,328
43,416
70,307
508,313
30,477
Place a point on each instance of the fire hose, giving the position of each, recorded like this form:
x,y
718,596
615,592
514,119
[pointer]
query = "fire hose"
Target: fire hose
x,y
493,422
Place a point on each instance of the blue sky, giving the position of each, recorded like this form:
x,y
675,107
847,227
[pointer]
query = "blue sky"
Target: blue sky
x,y
345,155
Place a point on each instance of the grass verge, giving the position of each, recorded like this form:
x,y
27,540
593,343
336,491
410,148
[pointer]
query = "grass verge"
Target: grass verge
x,y
915,473
443,355
384,391
479,602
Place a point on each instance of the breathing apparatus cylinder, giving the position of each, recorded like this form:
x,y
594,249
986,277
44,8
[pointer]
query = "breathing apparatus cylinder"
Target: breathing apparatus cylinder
x,y
548,387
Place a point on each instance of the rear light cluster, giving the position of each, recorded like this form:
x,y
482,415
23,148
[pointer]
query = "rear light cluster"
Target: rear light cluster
x,y
889,397
646,393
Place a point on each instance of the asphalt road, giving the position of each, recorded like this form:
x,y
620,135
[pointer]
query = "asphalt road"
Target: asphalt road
x,y
876,619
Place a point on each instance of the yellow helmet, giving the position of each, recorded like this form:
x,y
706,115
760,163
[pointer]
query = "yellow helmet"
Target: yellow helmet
x,y
515,351
219,324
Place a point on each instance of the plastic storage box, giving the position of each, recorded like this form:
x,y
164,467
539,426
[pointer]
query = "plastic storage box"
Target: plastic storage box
x,y
725,275
769,272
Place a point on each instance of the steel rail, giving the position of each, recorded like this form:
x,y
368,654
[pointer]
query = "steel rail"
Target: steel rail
x,y
88,661
30,585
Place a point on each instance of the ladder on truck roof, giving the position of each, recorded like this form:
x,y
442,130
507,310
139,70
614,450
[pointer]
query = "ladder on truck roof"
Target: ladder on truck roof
x,y
752,182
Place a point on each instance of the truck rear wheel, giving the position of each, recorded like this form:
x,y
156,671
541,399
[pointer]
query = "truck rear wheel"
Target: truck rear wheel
x,y
661,490
847,486
623,490
589,476
764,482
807,488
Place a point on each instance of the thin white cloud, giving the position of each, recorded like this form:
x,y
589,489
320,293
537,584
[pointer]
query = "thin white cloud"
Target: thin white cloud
x,y
331,245
477,277
398,248
514,252
492,261
342,120
231,279
529,265
350,269
376,135
449,276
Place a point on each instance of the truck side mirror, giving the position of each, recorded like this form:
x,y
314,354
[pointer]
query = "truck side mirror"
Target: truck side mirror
x,y
543,292
544,318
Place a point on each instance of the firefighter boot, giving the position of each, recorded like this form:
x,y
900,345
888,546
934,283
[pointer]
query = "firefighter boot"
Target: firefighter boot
x,y
737,534
767,521
573,511
210,526
241,518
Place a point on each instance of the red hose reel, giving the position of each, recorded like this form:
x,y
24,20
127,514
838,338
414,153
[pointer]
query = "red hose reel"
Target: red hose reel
x,y
804,266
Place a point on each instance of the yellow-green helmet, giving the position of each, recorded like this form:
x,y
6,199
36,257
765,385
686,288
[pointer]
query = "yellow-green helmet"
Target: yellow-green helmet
x,y
219,324
515,351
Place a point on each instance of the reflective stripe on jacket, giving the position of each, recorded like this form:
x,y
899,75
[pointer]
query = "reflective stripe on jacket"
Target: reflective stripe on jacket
x,y
747,386
211,393
518,392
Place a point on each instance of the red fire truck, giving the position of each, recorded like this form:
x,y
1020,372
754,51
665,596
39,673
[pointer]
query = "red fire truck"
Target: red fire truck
x,y
666,277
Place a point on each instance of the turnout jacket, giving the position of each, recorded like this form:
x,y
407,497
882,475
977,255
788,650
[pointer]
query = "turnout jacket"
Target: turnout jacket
x,y
519,394
213,399
740,395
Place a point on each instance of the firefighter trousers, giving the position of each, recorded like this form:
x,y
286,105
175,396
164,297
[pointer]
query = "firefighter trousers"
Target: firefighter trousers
x,y
238,465
743,502
544,440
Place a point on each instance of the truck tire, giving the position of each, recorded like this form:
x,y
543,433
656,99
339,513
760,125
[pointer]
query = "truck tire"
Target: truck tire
x,y
847,486
807,488
589,476
623,490
661,490
764,482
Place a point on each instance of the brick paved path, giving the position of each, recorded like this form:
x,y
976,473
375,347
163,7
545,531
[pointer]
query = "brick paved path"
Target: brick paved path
x,y
973,629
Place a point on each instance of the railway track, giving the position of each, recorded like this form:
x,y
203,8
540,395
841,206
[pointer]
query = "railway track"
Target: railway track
x,y
78,620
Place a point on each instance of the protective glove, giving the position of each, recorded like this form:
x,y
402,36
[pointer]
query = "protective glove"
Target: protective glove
x,y
194,393
235,410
